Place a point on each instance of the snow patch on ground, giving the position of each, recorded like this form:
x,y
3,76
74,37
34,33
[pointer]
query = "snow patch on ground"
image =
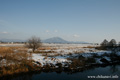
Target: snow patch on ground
x,y
61,54
48,60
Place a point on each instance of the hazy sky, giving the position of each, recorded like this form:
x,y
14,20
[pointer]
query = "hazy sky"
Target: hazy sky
x,y
73,20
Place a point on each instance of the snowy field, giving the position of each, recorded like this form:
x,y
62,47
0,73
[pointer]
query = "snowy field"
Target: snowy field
x,y
11,45
51,45
61,53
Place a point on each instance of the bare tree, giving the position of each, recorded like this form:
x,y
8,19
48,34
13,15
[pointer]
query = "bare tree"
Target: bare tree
x,y
112,43
104,43
34,43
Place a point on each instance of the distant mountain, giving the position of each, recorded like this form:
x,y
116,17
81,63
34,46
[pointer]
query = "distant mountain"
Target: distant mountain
x,y
60,40
55,40
11,40
50,40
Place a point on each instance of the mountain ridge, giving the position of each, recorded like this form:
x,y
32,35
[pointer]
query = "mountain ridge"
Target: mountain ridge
x,y
49,40
60,40
11,40
55,40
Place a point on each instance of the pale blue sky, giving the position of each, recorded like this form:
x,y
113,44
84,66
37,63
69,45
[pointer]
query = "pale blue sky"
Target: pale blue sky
x,y
73,20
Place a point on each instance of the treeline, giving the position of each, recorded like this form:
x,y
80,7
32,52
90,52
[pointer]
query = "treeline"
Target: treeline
x,y
109,44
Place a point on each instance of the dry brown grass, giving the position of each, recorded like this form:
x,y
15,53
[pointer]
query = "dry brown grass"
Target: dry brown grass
x,y
6,49
51,51
15,62
18,68
44,48
12,69
89,47
47,48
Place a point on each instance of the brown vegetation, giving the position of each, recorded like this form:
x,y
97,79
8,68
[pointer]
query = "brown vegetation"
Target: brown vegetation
x,y
14,60
89,47
51,51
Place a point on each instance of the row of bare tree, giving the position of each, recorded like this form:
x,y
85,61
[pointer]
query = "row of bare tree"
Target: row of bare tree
x,y
35,42
110,44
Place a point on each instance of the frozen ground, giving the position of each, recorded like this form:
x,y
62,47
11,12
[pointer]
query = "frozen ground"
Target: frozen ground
x,y
50,45
11,45
63,52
